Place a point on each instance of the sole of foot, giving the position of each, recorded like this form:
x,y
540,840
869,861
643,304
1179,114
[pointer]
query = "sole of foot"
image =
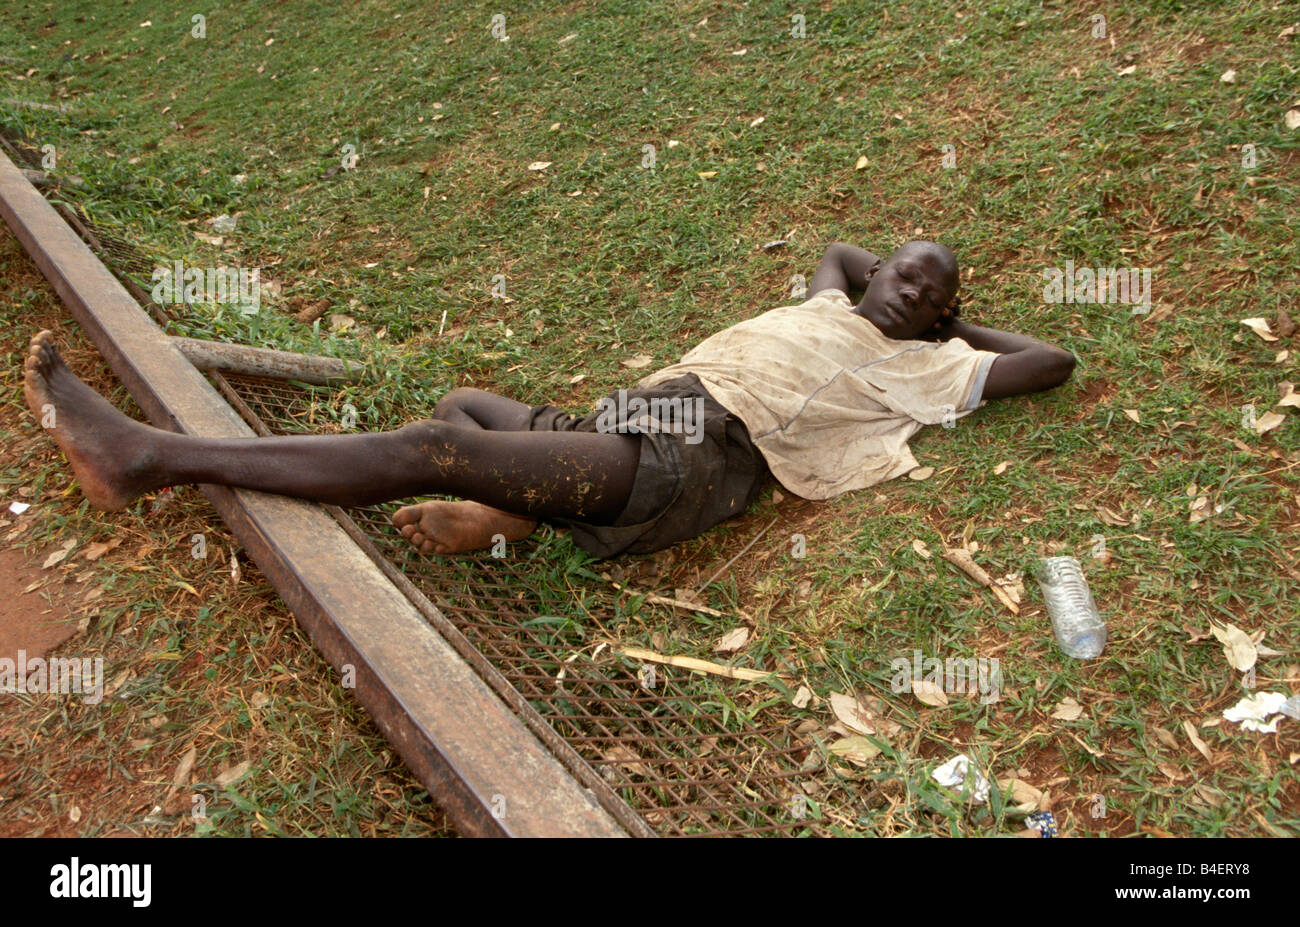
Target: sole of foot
x,y
438,527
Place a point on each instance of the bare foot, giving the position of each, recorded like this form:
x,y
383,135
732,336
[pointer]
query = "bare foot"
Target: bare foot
x,y
455,527
111,455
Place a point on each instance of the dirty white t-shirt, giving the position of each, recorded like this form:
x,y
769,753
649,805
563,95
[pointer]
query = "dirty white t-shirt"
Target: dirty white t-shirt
x,y
828,398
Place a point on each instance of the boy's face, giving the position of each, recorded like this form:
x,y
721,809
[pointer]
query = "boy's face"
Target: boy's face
x,y
907,293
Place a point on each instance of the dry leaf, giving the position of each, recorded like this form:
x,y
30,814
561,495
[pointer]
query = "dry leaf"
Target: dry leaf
x,y
802,698
1199,510
732,641
1012,584
577,379
627,759
1194,635
1261,328
1112,518
854,715
232,774
117,682
1238,648
182,774
55,558
1068,710
539,165
1124,72
99,548
1289,396
1190,730
637,361
1021,793
1209,795
1133,414
1166,738
861,163
1228,77
919,546
705,175
1170,770
929,693
857,750
1293,119
1001,468
757,121
921,473
1268,421
688,596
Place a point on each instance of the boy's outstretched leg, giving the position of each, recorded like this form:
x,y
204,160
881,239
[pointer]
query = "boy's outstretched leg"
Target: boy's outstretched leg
x,y
528,474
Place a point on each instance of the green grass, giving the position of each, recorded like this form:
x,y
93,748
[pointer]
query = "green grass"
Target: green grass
x,y
1058,158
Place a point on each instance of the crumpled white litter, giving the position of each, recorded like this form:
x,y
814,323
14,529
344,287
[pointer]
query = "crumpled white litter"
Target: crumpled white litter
x,y
1253,710
18,507
953,774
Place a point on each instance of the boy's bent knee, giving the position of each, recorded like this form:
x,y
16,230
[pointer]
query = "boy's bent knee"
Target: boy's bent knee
x,y
429,433
456,401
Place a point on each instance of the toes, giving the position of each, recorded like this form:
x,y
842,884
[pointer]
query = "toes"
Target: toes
x,y
426,547
42,352
406,531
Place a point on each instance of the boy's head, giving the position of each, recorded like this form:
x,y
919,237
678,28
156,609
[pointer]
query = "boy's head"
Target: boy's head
x,y
912,291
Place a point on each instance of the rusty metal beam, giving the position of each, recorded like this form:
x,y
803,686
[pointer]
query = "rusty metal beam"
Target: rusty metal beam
x,y
489,773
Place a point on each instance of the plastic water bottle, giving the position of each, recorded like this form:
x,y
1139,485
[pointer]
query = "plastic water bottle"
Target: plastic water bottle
x,y
1078,628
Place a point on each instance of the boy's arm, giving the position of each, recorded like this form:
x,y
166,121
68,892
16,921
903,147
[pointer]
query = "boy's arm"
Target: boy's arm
x,y
1027,365
844,267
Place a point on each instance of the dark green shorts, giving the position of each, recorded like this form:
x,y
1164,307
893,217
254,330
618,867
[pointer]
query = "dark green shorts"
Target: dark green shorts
x,y
681,489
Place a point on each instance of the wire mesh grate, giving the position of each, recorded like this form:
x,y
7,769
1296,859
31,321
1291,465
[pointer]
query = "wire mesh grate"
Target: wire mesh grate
x,y
690,759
